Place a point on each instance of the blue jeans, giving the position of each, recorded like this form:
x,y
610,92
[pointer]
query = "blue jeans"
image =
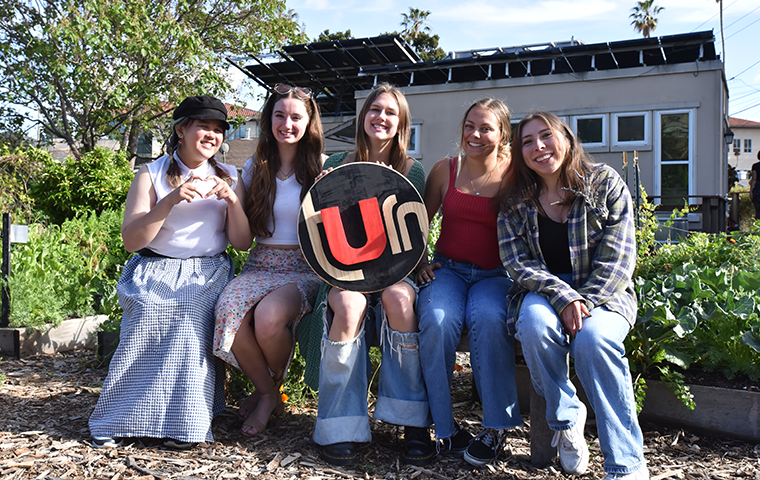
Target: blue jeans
x,y
602,368
343,376
464,296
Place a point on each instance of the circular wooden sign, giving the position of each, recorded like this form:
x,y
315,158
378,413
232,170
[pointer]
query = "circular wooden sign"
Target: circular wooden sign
x,y
363,227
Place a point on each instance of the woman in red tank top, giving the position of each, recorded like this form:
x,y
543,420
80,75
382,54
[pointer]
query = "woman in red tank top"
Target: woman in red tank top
x,y
466,286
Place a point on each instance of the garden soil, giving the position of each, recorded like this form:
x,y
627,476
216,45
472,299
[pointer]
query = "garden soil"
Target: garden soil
x,y
46,400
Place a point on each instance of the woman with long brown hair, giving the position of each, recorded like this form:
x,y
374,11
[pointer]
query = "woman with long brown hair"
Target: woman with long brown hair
x,y
338,334
257,313
567,239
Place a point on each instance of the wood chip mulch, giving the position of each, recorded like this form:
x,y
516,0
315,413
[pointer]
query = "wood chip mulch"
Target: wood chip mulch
x,y
46,400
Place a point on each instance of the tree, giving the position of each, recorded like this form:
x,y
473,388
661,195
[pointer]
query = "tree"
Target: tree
x,y
100,68
644,20
326,36
414,22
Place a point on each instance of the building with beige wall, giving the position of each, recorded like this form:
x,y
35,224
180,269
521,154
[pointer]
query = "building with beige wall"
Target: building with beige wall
x,y
746,144
662,97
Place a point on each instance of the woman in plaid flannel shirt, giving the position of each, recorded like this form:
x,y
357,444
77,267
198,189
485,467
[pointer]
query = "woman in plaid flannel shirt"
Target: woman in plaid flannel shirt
x,y
567,239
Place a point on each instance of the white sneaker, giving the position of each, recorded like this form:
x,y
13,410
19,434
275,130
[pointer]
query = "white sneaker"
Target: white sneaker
x,y
640,474
571,446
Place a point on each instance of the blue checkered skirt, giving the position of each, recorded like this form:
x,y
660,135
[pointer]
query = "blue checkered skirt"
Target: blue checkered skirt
x,y
163,380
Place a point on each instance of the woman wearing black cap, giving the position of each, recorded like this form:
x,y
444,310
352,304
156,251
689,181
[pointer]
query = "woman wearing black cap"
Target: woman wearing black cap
x,y
182,210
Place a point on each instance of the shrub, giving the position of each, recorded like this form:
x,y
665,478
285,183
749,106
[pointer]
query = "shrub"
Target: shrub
x,y
61,268
17,171
97,182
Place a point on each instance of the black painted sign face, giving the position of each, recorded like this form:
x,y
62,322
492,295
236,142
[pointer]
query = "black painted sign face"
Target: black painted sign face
x,y
363,227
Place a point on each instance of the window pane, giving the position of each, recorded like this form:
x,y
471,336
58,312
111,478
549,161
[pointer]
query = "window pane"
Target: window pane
x,y
675,137
590,130
748,145
144,145
675,181
631,129
412,147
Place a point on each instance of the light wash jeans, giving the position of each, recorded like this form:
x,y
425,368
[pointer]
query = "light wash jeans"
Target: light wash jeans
x,y
344,372
464,296
601,367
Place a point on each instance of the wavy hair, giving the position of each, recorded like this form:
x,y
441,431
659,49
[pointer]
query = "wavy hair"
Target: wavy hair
x,y
266,162
173,175
398,155
521,184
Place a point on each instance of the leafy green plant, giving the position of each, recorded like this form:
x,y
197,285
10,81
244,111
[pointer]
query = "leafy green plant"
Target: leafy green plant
x,y
97,182
17,170
698,307
57,273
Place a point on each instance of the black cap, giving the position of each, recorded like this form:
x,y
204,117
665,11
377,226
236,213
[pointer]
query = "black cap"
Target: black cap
x,y
202,107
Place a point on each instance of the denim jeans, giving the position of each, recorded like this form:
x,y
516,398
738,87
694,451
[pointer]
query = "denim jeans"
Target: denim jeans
x,y
602,368
344,372
464,296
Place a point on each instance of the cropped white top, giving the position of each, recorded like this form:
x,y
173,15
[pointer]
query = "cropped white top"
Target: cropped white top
x,y
192,229
287,202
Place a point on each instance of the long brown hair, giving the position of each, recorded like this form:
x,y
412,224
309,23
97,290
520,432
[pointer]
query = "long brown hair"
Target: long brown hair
x,y
173,175
398,156
521,184
260,203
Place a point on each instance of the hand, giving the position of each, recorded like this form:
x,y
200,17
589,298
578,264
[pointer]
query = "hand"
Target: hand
x,y
322,174
424,273
188,191
222,190
572,317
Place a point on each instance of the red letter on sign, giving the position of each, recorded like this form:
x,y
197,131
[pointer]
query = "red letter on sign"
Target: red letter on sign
x,y
373,226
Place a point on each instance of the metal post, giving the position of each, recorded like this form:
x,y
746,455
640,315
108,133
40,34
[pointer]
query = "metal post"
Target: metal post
x,y
6,271
638,187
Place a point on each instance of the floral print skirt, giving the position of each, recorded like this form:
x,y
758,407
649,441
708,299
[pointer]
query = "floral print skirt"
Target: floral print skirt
x,y
266,270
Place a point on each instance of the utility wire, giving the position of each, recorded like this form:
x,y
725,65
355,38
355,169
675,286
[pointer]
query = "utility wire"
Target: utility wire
x,y
745,109
748,25
745,68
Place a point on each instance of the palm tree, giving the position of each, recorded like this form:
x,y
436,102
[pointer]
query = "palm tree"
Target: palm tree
x,y
414,22
643,16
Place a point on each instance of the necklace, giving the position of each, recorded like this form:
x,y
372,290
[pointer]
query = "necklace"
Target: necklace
x,y
483,183
283,176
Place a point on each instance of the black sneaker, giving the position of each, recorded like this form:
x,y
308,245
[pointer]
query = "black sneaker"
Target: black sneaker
x,y
418,448
457,443
173,444
485,447
106,442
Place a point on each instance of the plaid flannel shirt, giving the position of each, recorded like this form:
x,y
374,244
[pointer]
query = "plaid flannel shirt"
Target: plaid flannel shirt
x,y
602,250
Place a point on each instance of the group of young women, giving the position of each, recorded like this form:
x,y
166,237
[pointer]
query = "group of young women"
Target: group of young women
x,y
537,244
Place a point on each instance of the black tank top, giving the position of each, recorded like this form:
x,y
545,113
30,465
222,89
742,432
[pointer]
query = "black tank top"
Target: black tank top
x,y
555,245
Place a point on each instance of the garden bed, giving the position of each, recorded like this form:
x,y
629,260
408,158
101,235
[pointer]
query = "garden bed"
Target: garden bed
x,y
71,334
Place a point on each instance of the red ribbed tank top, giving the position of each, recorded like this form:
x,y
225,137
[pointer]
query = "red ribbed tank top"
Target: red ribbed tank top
x,y
468,229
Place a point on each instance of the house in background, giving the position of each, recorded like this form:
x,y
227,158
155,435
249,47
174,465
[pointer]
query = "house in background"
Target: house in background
x,y
746,145
664,98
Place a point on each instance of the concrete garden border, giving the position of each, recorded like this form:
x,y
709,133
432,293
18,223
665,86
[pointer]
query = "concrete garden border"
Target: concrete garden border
x,y
71,334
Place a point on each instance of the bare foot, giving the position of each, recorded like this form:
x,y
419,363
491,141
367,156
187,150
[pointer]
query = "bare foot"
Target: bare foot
x,y
248,406
269,403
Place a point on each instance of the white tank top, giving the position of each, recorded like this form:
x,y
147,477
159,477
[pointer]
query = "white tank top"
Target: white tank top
x,y
287,202
192,229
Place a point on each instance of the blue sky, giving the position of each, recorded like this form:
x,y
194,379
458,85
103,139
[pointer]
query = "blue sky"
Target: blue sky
x,y
477,24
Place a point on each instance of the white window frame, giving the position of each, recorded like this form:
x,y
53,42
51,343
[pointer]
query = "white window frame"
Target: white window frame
x,y
747,145
594,146
645,144
416,133
657,150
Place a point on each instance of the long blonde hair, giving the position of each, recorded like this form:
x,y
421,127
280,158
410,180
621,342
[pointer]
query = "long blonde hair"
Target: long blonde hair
x,y
398,156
